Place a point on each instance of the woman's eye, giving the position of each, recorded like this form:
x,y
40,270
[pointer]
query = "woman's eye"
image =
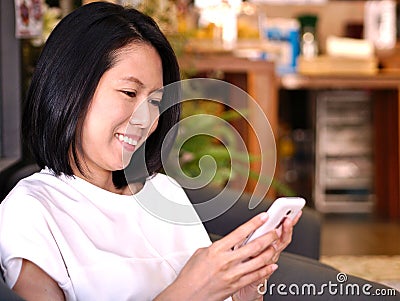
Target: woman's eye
x,y
155,102
130,93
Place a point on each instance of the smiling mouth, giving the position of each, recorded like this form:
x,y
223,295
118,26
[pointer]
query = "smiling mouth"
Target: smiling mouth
x,y
126,139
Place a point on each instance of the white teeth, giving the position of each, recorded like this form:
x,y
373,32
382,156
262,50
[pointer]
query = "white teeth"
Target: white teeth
x,y
126,139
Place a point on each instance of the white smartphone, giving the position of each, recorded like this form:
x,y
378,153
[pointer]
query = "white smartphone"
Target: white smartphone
x,y
281,208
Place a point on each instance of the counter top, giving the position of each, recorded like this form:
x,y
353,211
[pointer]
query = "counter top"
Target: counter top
x,y
227,62
381,80
222,62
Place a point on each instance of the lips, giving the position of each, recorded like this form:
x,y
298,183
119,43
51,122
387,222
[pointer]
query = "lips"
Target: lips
x,y
129,139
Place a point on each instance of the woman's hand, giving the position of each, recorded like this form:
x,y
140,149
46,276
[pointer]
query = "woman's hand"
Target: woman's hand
x,y
222,269
250,292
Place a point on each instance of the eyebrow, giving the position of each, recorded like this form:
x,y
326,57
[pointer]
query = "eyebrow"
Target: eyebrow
x,y
133,79
139,82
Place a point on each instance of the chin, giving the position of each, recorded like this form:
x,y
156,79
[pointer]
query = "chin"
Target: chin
x,y
126,160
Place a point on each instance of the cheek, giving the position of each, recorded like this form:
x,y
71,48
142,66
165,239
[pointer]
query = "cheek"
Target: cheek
x,y
153,126
155,116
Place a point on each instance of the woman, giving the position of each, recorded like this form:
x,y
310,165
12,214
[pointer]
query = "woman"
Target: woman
x,y
74,231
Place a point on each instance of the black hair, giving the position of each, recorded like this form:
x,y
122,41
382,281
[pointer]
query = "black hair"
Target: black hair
x,y
78,52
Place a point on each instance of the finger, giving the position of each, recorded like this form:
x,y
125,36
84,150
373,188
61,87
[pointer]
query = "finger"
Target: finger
x,y
239,234
297,218
286,235
287,226
276,257
289,223
254,263
279,231
258,275
258,245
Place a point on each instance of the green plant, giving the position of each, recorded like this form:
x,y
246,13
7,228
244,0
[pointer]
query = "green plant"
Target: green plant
x,y
209,135
218,141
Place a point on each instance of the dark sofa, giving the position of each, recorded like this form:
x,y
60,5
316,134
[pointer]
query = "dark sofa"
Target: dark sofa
x,y
306,236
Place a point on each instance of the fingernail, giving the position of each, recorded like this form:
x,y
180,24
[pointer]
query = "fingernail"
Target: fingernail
x,y
274,267
264,216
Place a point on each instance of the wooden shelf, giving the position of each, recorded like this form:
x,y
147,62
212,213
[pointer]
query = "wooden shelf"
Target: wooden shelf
x,y
382,80
385,88
262,84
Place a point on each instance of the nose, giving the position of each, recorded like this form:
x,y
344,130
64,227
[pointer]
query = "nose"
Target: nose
x,y
141,115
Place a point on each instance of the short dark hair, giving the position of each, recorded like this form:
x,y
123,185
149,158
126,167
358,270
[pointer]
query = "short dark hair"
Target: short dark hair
x,y
78,52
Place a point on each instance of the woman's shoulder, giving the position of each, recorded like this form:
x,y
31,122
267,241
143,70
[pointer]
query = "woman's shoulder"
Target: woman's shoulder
x,y
29,183
25,205
38,186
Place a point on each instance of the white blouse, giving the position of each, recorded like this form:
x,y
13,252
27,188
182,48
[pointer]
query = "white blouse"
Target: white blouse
x,y
95,244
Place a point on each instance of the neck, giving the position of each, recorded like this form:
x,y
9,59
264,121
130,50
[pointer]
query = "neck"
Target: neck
x,y
104,181
101,179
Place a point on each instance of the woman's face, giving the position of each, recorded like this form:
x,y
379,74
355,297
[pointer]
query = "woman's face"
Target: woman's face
x,y
124,110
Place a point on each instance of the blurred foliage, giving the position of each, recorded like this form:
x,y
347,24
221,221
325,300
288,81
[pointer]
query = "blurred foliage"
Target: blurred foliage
x,y
219,142
222,146
169,16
